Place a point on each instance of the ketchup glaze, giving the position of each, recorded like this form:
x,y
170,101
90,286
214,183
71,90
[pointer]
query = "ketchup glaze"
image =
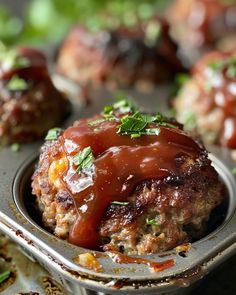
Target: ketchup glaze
x,y
120,164
153,265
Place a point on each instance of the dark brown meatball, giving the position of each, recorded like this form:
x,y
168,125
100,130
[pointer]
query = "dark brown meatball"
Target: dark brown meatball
x,y
203,24
98,186
29,102
207,102
123,57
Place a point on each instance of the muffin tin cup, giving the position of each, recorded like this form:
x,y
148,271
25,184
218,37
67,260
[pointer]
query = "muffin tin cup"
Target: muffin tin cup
x,y
57,256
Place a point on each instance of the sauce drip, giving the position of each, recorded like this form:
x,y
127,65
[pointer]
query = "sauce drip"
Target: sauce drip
x,y
154,266
120,164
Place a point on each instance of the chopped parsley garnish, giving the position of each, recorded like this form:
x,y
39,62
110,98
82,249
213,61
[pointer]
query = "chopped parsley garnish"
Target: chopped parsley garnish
x,y
189,119
123,106
4,276
181,79
84,159
96,122
152,32
10,59
135,125
135,135
152,131
16,84
163,121
120,203
233,171
107,110
227,64
15,147
216,65
53,134
231,71
151,222
132,124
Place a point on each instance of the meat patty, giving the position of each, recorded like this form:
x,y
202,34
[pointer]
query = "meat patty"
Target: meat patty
x,y
123,57
203,24
144,194
207,102
29,102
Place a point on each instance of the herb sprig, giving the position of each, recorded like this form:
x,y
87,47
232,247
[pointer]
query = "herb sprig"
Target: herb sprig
x,y
4,276
16,84
15,147
120,203
133,122
53,133
84,159
135,125
227,64
151,221
152,33
122,105
11,59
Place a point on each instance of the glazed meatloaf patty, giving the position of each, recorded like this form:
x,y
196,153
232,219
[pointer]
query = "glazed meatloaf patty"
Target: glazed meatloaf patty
x,y
105,185
29,102
141,56
207,101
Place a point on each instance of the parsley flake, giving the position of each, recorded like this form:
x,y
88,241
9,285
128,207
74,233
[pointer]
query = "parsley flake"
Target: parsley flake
x,y
181,79
233,171
135,125
124,106
107,110
84,159
152,131
152,32
11,59
96,122
231,71
15,147
4,276
132,124
120,203
16,84
53,133
227,64
151,221
135,135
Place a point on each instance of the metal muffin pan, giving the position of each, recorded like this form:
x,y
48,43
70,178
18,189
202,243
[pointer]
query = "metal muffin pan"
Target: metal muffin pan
x,y
57,256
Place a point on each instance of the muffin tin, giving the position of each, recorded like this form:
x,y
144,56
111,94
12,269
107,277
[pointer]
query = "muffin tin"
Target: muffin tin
x,y
17,219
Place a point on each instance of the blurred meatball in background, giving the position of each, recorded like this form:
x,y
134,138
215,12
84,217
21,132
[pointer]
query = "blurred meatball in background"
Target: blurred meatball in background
x,y
207,102
29,102
203,25
141,55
